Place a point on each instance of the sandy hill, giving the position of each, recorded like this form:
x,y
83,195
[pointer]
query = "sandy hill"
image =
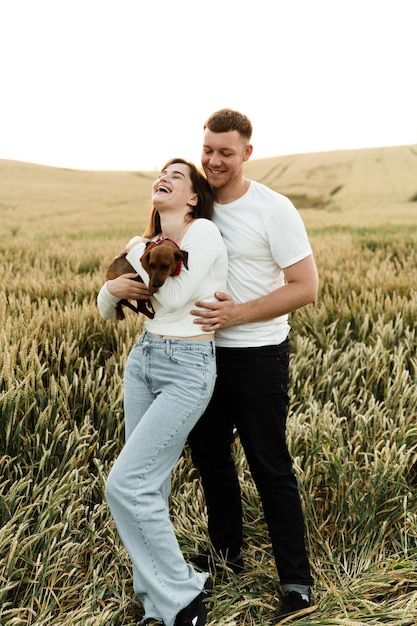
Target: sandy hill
x,y
379,181
344,177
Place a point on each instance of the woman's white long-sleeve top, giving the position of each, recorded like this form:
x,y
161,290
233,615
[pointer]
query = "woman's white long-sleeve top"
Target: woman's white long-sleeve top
x,y
206,274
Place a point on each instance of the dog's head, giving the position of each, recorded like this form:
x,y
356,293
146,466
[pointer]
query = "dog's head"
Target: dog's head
x,y
162,259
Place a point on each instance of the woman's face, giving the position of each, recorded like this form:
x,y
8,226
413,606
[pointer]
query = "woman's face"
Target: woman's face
x,y
173,188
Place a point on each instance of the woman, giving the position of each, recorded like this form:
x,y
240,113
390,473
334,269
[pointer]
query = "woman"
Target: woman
x,y
169,379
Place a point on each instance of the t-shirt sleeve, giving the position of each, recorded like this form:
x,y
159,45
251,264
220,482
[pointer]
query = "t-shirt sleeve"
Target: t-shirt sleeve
x,y
286,234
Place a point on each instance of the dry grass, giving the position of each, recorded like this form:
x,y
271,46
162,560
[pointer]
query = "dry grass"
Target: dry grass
x,y
352,428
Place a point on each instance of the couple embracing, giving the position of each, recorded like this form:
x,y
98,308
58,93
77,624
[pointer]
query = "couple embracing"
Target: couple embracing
x,y
214,358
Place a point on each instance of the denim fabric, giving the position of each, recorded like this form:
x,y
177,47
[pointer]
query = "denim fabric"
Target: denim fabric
x,y
167,386
251,394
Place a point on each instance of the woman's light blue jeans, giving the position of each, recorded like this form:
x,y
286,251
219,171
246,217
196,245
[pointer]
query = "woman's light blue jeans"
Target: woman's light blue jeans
x,y
167,386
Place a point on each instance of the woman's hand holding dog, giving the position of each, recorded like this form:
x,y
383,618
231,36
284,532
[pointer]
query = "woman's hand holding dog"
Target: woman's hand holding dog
x,y
125,288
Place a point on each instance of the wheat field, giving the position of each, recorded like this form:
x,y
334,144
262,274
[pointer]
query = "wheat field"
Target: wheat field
x,y
352,428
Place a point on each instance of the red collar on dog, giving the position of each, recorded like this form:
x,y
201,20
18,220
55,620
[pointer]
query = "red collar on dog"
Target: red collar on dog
x,y
156,243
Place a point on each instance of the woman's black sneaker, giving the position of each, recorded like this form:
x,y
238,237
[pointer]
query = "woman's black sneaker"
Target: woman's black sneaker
x,y
195,614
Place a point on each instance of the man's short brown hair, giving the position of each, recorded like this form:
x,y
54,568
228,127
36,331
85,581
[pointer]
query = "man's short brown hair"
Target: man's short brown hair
x,y
226,119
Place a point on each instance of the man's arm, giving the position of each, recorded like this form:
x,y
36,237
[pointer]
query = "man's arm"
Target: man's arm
x,y
301,288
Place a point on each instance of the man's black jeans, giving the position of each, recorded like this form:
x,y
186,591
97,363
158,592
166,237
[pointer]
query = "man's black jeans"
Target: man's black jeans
x,y
251,394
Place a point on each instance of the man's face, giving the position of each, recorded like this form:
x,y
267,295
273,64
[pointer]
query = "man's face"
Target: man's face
x,y
223,157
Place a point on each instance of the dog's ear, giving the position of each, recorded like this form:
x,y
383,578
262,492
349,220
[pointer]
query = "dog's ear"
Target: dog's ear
x,y
183,255
144,259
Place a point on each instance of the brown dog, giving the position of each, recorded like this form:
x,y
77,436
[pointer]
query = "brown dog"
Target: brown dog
x,y
162,258
117,268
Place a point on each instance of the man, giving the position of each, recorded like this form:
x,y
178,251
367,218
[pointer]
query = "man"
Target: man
x,y
271,273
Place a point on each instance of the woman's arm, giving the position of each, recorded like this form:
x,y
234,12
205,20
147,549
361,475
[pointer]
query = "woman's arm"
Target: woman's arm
x,y
107,303
204,245
120,288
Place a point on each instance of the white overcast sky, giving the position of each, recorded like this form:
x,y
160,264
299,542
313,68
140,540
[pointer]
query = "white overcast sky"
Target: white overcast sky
x,y
127,84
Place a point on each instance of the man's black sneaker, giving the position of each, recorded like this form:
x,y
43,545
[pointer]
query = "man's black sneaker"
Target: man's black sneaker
x,y
195,614
205,562
292,603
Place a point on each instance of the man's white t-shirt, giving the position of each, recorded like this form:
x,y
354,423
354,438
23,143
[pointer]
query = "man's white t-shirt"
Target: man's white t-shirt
x,y
263,233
